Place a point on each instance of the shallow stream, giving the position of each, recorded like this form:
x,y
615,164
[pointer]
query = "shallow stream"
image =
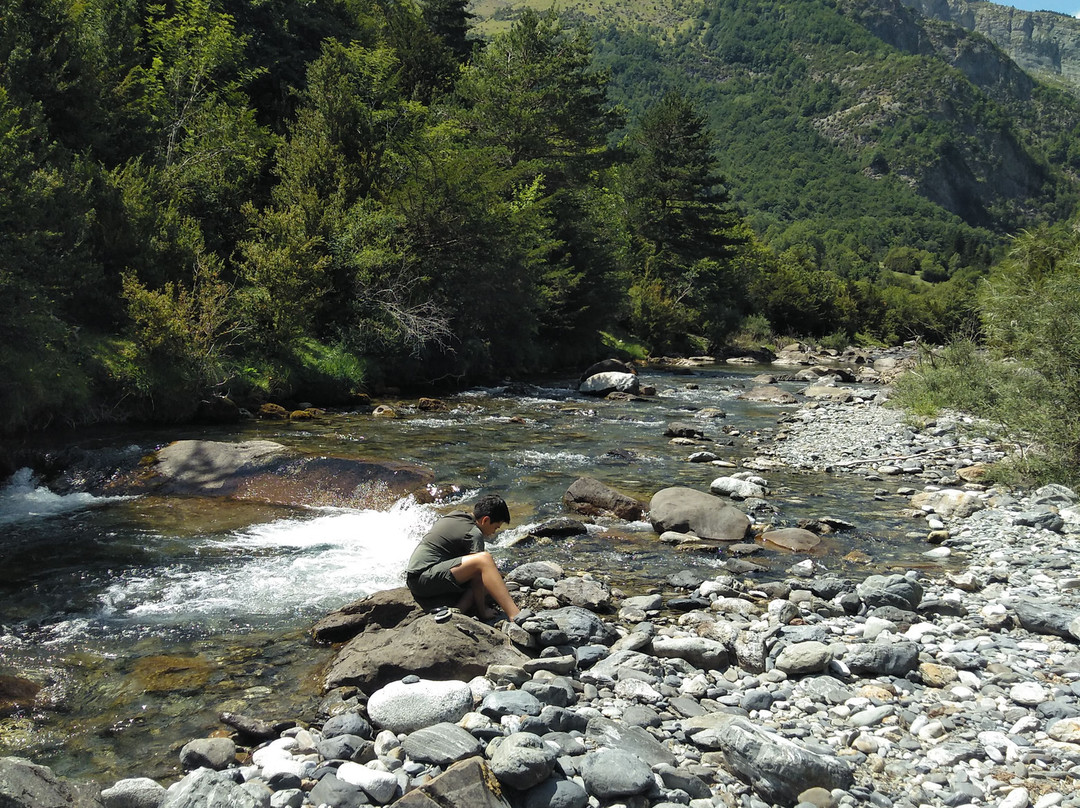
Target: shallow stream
x,y
146,617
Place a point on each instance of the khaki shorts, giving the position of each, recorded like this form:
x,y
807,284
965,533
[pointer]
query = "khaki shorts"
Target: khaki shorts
x,y
436,586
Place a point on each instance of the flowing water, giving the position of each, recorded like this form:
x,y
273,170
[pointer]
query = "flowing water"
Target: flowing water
x,y
145,617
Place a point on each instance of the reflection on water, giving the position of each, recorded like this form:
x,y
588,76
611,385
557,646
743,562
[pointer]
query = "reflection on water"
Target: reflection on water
x,y
144,618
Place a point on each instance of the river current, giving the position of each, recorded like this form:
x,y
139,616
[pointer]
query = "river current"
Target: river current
x,y
145,617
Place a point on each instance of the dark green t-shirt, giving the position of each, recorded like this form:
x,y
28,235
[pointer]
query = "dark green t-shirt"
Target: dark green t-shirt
x,y
454,535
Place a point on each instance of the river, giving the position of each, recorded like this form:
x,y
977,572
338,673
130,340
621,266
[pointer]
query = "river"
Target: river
x,y
145,617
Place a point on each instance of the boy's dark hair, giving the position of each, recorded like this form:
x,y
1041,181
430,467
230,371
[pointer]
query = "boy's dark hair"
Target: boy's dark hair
x,y
492,506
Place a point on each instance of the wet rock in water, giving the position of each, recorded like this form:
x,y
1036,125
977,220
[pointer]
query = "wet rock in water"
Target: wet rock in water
x,y
560,528
254,730
608,366
600,384
686,510
682,429
593,498
406,706
17,694
459,648
385,609
792,538
768,393
739,487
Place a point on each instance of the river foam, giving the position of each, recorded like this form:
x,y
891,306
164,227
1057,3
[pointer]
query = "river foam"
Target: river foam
x,y
285,568
23,498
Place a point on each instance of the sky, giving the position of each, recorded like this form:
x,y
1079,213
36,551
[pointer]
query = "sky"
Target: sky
x,y
1070,7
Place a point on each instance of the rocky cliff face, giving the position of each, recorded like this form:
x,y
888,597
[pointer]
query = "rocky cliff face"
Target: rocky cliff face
x,y
1044,43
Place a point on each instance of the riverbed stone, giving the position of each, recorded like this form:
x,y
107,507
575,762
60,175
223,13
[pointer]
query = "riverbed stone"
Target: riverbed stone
x,y
777,768
522,760
592,498
510,702
28,785
737,488
380,786
467,784
206,788
555,793
600,384
612,773
459,648
882,658
134,792
949,502
698,651
802,658
442,744
584,592
334,792
401,707
897,591
687,510
635,740
526,574
792,538
212,753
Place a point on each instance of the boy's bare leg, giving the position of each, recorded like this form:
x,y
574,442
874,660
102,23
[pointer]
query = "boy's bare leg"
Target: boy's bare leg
x,y
481,567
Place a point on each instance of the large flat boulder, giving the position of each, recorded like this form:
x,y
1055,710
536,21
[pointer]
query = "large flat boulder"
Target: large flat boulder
x,y
459,648
267,471
687,510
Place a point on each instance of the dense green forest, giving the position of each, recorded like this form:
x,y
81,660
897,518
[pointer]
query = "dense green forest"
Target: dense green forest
x,y
300,201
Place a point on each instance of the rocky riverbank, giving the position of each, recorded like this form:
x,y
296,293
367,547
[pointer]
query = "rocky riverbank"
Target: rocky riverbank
x,y
904,690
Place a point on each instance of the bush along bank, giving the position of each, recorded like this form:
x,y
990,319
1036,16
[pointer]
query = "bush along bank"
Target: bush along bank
x,y
906,689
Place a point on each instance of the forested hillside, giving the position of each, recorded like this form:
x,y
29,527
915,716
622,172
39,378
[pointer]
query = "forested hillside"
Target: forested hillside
x,y
301,201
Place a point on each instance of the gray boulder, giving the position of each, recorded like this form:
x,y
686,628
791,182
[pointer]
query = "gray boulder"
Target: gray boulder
x,y
401,707
336,793
468,784
634,740
1040,618
778,769
460,648
593,498
526,574
386,609
737,488
882,658
801,658
795,539
600,384
555,793
134,792
441,744
611,773
210,753
27,785
607,366
581,626
522,760
686,510
584,592
890,590
347,723
698,651
498,703
206,788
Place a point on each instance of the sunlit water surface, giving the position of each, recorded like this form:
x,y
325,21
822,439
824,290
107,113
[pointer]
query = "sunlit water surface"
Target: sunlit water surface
x,y
146,617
